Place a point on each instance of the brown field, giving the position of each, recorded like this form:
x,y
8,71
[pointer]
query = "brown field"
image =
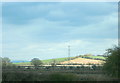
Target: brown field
x,y
83,61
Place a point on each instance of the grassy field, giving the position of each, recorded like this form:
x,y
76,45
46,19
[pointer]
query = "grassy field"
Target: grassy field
x,y
95,57
57,60
48,61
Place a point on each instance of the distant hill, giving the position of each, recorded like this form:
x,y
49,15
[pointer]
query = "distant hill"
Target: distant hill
x,y
57,60
83,61
48,61
19,61
97,59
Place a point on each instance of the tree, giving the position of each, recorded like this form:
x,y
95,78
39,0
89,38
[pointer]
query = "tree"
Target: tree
x,y
112,62
6,61
53,63
88,55
36,62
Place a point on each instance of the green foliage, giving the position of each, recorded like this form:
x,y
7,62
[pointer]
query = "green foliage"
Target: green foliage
x,y
21,76
36,62
54,63
112,62
62,77
5,61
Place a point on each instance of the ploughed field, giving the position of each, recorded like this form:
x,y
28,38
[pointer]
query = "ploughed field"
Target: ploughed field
x,y
83,61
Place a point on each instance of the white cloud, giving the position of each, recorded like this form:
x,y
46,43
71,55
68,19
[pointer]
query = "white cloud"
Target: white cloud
x,y
22,45
28,40
107,26
59,49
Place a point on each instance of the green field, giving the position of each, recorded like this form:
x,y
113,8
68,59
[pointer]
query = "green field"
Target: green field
x,y
57,60
48,61
95,57
23,63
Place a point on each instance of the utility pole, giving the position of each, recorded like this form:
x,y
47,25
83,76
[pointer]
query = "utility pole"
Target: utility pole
x,y
69,52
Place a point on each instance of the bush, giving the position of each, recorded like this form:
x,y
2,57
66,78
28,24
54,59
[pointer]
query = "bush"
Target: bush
x,y
62,77
21,76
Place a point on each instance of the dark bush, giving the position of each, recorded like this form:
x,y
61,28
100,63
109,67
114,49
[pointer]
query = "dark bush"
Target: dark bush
x,y
62,77
21,76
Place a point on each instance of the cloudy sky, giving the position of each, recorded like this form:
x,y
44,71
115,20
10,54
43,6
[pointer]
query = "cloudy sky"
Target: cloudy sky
x,y
44,30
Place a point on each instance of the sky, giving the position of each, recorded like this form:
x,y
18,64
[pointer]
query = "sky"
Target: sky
x,y
45,29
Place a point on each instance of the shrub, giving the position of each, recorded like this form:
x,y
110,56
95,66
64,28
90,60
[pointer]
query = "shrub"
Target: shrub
x,y
62,77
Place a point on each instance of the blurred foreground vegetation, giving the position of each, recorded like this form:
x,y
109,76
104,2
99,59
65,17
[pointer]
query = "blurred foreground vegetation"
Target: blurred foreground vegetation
x,y
52,76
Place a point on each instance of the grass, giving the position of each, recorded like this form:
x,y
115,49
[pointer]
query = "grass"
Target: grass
x,y
56,59
51,60
95,57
